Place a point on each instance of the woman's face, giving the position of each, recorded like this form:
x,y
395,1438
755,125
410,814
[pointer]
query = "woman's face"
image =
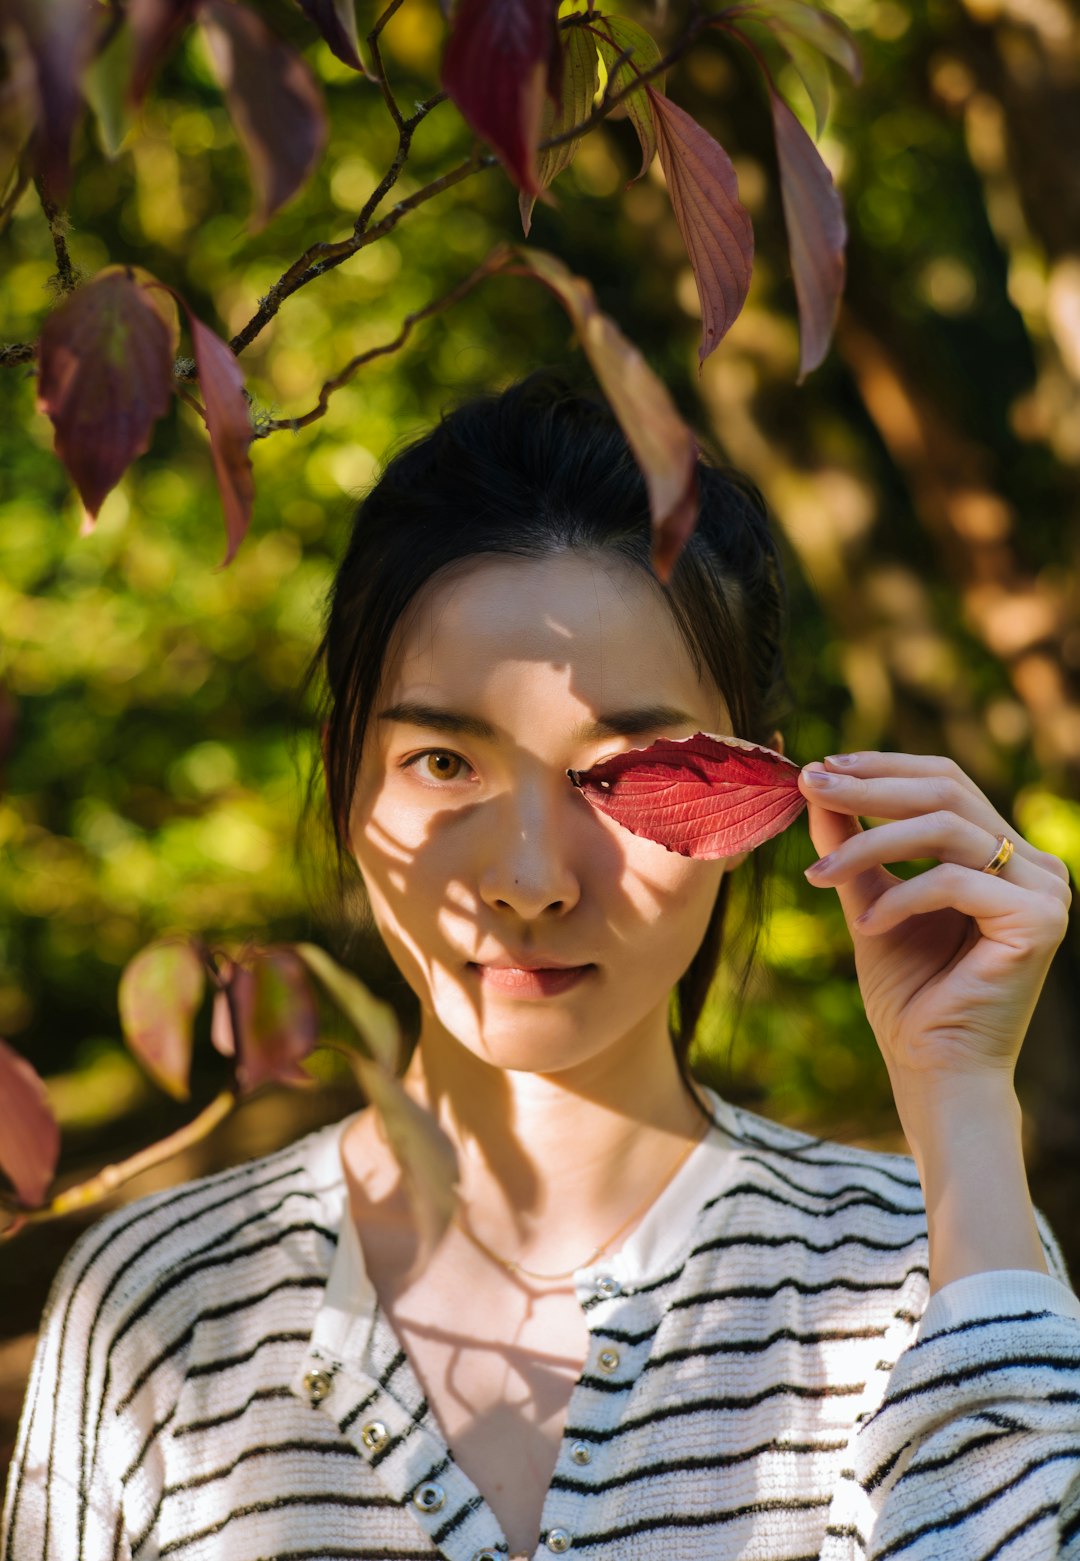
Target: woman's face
x,y
479,856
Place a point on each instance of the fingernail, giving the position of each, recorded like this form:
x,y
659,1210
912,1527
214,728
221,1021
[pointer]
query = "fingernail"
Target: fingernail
x,y
820,866
820,778
842,758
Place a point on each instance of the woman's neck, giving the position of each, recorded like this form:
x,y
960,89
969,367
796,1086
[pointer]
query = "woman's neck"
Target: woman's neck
x,y
549,1165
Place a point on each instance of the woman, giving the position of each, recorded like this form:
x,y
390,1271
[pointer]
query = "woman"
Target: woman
x,y
659,1326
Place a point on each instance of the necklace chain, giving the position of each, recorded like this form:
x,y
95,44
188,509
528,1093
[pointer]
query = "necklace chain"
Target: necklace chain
x,y
514,1267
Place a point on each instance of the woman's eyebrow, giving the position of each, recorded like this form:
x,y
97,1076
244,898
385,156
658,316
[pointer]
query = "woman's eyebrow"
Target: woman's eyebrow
x,y
616,723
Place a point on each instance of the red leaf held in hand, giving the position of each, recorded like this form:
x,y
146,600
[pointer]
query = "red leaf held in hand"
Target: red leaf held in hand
x,y
104,378
714,223
273,100
500,59
159,995
702,796
29,1135
817,233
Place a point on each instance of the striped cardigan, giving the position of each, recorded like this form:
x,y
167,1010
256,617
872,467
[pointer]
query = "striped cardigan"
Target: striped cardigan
x,y
765,1379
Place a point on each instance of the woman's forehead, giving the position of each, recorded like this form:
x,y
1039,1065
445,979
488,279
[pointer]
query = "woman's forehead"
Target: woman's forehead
x,y
600,623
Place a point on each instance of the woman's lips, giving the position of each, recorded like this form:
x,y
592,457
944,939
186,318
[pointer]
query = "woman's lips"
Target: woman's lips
x,y
530,983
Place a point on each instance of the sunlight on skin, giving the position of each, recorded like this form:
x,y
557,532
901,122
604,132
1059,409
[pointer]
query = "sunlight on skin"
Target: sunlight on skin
x,y
482,850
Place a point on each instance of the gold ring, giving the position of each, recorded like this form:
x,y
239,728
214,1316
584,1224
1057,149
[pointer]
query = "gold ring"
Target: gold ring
x,y
1005,849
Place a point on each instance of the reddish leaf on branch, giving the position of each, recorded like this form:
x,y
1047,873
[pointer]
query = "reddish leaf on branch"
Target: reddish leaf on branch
x,y
336,20
104,378
159,995
273,100
58,36
228,422
155,26
663,445
268,1019
500,59
579,84
817,233
715,225
29,1134
702,796
614,34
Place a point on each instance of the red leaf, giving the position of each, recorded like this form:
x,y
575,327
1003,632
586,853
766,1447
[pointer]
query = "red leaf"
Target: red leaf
x,y
159,995
663,445
104,378
336,20
155,26
499,59
59,36
273,100
276,1018
29,1135
715,225
228,423
702,796
817,233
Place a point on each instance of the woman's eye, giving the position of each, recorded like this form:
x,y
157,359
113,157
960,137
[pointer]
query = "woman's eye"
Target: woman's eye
x,y
437,764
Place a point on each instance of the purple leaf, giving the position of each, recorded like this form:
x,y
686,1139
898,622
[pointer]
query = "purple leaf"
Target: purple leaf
x,y
273,100
817,233
500,59
336,20
702,796
104,378
714,223
159,995
59,36
29,1134
276,1018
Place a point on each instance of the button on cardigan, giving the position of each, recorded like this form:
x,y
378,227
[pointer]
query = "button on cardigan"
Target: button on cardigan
x,y
765,1378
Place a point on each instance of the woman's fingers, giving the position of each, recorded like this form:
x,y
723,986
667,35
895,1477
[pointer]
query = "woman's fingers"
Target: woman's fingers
x,y
1037,918
942,835
906,786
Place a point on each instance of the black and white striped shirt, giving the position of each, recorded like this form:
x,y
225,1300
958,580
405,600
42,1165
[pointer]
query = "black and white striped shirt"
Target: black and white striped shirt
x,y
765,1379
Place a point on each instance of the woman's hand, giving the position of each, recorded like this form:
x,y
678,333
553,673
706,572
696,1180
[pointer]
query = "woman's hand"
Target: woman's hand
x,y
951,962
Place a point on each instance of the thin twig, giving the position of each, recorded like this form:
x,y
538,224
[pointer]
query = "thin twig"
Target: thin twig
x,y
57,220
492,263
112,1176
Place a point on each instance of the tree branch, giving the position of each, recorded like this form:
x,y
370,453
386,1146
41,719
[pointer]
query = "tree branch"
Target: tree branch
x,y
326,256
490,264
66,274
112,1176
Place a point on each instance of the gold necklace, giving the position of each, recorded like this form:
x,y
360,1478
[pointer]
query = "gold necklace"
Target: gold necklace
x,y
514,1267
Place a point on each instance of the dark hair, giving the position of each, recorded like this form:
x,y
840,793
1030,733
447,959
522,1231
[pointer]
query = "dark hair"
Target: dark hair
x,y
538,468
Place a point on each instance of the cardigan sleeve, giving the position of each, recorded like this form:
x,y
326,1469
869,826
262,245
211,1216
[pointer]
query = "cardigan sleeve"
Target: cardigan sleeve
x,y
973,1448
63,1493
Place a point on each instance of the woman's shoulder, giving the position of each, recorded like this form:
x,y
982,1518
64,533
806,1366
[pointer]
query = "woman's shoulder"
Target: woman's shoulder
x,y
169,1248
818,1166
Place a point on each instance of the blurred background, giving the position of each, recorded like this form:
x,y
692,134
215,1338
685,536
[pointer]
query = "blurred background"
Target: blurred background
x,y
924,482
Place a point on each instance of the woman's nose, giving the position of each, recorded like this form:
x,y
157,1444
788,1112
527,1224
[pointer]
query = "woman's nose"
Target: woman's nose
x,y
527,865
